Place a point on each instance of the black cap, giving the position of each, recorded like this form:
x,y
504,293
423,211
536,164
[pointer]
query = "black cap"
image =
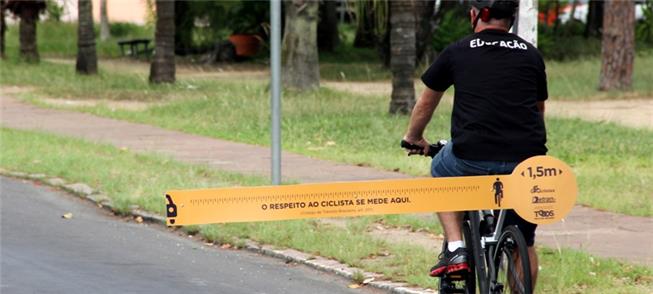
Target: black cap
x,y
498,8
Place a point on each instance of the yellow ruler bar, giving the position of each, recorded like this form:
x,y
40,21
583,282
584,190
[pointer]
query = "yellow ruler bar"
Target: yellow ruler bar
x,y
541,189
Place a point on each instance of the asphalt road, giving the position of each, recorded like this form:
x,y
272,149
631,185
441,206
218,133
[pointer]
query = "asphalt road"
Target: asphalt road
x,y
95,252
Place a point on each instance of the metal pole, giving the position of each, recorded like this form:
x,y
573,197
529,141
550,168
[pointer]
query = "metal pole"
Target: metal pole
x,y
275,87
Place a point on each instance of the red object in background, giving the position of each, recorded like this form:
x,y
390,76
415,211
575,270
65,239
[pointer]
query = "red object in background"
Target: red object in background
x,y
552,16
246,45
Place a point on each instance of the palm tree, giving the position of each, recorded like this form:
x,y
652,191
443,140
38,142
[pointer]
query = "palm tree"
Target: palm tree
x,y
86,55
618,47
104,21
162,69
328,37
28,11
301,69
402,55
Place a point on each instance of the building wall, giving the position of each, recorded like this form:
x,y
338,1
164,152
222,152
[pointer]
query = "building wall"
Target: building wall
x,y
134,11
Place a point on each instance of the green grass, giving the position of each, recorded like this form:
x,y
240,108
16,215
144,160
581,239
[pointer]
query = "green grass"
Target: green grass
x,y
59,39
130,178
579,79
126,177
570,80
610,160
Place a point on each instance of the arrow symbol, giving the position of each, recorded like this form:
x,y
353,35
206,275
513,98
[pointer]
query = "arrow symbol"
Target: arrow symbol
x,y
522,174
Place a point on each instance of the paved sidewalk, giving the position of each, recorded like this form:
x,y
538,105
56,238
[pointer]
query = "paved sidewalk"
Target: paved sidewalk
x,y
600,233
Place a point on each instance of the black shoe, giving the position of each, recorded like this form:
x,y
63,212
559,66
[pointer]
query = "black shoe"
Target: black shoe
x,y
450,262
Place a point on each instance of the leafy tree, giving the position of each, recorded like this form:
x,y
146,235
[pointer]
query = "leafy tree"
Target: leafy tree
x,y
645,27
2,29
162,69
28,11
327,28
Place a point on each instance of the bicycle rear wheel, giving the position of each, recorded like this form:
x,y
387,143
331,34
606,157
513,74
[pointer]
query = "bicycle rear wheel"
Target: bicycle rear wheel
x,y
511,264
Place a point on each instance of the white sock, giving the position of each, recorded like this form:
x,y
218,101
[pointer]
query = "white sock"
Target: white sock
x,y
452,246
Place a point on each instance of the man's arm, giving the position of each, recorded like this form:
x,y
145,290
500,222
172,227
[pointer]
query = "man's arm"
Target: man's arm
x,y
420,117
541,107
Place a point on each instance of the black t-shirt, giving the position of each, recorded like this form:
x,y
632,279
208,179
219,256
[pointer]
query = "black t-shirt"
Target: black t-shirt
x,y
498,79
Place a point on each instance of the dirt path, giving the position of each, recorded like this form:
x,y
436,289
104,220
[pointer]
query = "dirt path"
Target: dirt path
x,y
601,233
636,113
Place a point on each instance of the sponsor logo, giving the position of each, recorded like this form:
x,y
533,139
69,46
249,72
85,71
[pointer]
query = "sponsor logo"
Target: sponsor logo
x,y
537,189
541,200
546,214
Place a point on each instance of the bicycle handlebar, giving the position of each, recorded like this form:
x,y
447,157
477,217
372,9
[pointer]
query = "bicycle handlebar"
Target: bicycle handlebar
x,y
433,148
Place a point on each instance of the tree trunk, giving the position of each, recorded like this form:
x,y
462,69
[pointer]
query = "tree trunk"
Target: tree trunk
x,y
86,54
184,22
594,21
27,34
574,4
365,31
618,47
104,21
301,69
424,11
2,29
327,28
556,21
402,59
162,69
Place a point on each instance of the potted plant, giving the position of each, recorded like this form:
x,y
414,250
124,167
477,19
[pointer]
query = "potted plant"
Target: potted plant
x,y
245,19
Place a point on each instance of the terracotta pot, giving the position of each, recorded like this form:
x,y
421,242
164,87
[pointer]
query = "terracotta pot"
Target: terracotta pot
x,y
246,45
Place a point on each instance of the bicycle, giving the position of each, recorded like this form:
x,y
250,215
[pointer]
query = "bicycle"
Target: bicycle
x,y
499,260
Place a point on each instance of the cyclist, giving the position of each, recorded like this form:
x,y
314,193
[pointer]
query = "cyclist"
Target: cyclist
x,y
498,114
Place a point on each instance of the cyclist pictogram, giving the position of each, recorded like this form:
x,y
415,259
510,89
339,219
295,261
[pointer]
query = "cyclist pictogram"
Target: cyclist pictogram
x,y
497,187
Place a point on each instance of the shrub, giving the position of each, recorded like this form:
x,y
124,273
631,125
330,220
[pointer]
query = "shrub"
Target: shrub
x,y
452,27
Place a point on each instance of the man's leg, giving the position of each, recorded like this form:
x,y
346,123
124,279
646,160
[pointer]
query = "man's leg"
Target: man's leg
x,y
452,225
454,257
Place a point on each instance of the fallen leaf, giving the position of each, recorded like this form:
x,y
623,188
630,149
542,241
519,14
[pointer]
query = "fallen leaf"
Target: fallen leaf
x,y
138,219
367,281
354,286
225,246
330,143
67,215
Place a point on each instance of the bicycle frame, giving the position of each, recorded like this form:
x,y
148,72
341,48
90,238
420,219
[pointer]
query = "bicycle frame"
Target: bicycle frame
x,y
487,245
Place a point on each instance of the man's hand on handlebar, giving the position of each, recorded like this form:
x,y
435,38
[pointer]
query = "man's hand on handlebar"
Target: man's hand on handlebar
x,y
415,146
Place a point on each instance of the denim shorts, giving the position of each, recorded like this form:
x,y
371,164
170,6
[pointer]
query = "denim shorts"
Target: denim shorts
x,y
446,164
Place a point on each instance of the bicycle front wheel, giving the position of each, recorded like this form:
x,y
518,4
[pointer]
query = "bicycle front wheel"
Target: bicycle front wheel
x,y
511,264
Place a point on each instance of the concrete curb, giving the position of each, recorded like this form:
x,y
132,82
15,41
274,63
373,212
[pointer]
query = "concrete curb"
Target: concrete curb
x,y
320,263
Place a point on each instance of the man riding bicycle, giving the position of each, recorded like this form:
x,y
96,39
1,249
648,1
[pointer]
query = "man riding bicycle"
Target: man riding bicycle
x,y
497,119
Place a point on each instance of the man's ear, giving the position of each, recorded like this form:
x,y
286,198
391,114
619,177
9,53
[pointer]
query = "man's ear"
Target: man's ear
x,y
472,16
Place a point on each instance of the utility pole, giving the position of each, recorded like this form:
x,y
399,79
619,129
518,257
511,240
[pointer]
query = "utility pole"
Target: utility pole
x,y
275,88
